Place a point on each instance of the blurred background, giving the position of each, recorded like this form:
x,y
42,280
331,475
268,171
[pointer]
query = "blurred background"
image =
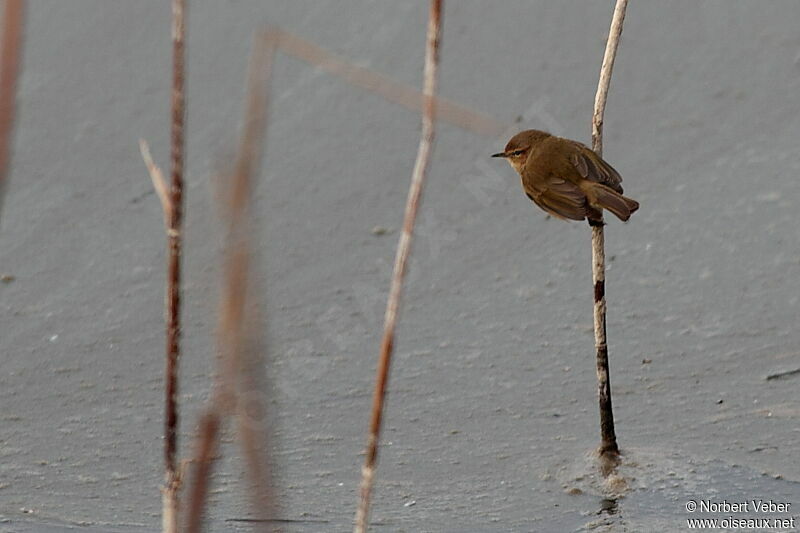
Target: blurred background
x,y
492,402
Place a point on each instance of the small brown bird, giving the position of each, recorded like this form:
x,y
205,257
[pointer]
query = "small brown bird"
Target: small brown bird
x,y
566,178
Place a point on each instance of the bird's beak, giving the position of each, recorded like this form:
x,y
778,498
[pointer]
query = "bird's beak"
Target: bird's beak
x,y
501,154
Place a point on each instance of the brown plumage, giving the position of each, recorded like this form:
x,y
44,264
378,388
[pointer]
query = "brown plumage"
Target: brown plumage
x,y
566,178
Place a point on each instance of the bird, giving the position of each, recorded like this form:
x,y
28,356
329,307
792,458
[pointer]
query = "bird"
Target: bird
x,y
567,179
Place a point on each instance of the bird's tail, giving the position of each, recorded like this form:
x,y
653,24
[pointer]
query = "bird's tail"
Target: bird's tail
x,y
611,200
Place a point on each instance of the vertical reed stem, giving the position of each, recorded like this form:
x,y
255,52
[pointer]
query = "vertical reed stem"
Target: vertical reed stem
x,y
238,389
401,259
608,443
173,297
208,441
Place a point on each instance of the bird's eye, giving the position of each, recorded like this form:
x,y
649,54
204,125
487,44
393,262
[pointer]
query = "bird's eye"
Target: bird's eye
x,y
517,152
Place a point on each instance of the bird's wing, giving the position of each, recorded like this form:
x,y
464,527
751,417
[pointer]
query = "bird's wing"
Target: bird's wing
x,y
592,167
557,196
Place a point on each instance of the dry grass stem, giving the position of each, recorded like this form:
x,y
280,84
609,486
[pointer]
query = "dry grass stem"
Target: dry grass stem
x,y
159,184
10,59
608,444
240,389
172,206
174,216
401,259
251,411
404,95
606,69
203,463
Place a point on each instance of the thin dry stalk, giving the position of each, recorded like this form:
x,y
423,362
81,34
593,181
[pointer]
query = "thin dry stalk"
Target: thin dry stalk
x,y
251,412
157,177
401,259
10,58
608,443
208,441
238,391
171,504
404,95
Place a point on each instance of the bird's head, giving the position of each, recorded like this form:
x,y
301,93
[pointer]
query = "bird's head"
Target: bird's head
x,y
519,147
